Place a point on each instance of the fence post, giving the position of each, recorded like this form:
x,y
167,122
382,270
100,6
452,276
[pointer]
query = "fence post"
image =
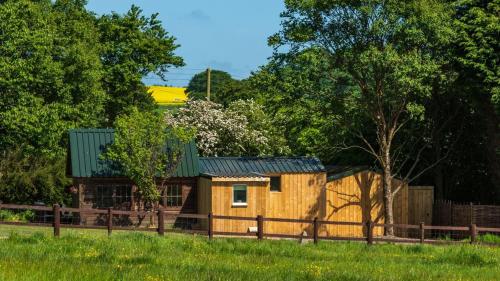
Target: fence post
x,y
473,233
110,221
57,220
422,232
315,230
260,227
210,225
161,222
369,232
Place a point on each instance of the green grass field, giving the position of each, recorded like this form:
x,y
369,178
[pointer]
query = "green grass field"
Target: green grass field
x,y
33,254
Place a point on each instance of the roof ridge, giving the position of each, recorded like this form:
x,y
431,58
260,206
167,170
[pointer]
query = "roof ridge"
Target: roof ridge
x,y
259,157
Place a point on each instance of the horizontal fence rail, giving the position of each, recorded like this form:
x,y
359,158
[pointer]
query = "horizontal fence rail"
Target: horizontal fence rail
x,y
57,217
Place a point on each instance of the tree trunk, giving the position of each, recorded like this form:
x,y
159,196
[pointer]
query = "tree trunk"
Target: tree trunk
x,y
388,202
387,187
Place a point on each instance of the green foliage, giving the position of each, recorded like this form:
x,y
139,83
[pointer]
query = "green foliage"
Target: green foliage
x,y
64,67
9,216
139,149
26,179
49,74
140,256
223,88
133,46
478,28
242,129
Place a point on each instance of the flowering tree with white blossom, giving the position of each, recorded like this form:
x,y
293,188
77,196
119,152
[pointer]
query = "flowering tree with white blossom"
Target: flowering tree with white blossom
x,y
243,129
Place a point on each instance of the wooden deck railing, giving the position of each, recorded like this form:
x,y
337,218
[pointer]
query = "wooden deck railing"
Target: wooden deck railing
x,y
423,232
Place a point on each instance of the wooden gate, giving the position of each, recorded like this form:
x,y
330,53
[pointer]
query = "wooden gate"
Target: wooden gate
x,y
420,201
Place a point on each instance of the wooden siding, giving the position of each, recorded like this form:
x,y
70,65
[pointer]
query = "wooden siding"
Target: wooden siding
x,y
400,207
354,198
420,201
302,196
204,199
222,196
357,198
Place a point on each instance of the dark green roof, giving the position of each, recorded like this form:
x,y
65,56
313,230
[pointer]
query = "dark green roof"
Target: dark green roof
x,y
253,166
86,146
338,172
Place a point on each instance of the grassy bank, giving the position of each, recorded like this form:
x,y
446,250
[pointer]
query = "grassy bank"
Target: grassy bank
x,y
91,255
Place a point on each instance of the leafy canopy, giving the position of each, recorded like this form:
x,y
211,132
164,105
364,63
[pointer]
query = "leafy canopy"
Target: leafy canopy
x,y
140,150
243,129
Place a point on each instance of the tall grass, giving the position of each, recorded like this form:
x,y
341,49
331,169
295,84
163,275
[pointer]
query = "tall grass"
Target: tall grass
x,y
137,256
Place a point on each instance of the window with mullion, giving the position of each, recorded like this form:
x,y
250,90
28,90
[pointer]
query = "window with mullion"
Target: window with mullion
x,y
173,196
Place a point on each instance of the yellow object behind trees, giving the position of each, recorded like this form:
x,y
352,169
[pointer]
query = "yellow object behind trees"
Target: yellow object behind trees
x,y
168,95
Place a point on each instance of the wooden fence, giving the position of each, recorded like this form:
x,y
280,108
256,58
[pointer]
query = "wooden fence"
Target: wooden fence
x,y
472,231
450,213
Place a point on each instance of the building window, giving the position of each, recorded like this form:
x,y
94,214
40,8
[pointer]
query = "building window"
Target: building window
x,y
276,184
104,196
109,196
173,196
239,195
123,195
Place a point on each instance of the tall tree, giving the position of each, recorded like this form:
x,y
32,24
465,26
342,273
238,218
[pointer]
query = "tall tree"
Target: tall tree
x,y
223,88
477,24
133,47
242,129
50,74
140,150
386,47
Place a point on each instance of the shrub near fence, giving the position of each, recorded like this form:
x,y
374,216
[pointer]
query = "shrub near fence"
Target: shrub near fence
x,y
57,213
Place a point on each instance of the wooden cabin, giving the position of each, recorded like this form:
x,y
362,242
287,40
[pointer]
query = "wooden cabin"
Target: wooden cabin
x,y
98,183
293,187
278,187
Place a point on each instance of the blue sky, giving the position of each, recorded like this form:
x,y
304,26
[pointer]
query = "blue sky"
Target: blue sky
x,y
230,35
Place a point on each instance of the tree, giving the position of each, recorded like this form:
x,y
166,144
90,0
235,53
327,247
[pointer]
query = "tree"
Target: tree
x,y
49,74
133,47
386,47
229,132
477,49
223,88
140,150
29,179
305,100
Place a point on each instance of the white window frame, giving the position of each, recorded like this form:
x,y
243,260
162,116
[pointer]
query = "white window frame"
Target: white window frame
x,y
240,204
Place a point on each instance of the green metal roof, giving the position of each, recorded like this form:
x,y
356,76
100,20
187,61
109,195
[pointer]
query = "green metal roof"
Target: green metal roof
x,y
86,146
338,172
252,166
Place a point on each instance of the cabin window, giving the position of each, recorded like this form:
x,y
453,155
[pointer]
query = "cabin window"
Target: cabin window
x,y
108,196
123,194
276,184
104,196
239,195
173,196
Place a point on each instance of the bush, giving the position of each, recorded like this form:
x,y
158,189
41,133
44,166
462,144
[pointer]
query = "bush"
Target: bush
x,y
26,216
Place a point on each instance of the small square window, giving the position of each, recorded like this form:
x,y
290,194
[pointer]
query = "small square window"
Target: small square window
x,y
239,195
276,184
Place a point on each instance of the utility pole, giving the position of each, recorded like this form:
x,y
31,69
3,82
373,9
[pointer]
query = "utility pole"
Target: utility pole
x,y
208,83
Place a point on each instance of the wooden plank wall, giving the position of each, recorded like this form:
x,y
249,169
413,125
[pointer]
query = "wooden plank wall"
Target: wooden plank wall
x,y
257,194
302,196
204,199
400,207
420,201
359,197
355,198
